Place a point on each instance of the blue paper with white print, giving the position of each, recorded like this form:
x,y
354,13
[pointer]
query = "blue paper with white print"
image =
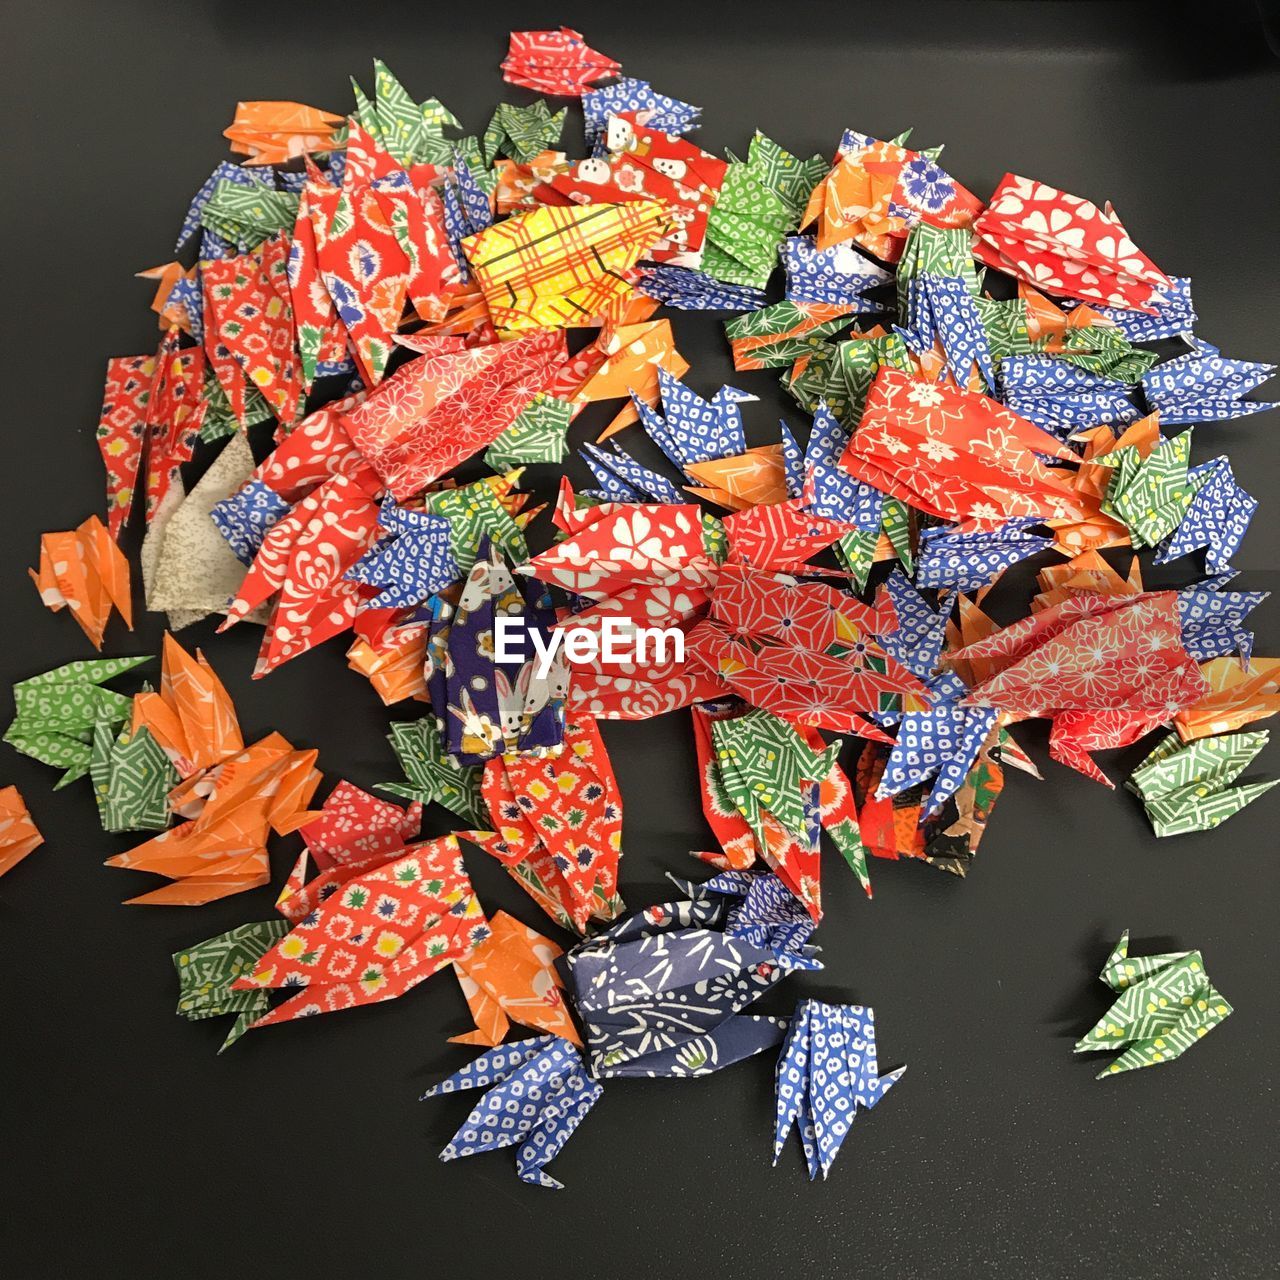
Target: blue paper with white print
x,y
922,630
245,518
411,563
827,1070
1061,398
1217,519
1213,619
690,429
689,290
839,275
668,114
970,561
618,473
1174,315
225,172
1204,386
538,1092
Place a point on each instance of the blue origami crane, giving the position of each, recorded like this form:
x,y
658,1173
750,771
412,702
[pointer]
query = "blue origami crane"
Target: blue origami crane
x,y
830,490
688,290
922,630
971,561
1216,520
839,275
1059,397
1174,315
690,429
1213,619
411,564
622,479
1205,386
941,307
827,1070
660,992
538,1094
942,741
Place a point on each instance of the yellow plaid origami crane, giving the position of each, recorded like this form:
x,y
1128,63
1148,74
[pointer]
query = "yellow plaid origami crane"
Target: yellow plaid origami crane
x,y
563,266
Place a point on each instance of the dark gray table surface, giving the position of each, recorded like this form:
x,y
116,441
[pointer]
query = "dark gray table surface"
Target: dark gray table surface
x,y
128,1149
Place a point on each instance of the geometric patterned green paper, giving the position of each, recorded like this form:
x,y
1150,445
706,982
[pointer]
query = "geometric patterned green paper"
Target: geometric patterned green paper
x,y
1166,1004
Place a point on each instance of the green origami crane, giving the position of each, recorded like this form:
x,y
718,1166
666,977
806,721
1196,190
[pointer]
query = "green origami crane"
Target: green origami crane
x,y
780,321
842,374
537,435
207,970
788,177
433,777
412,132
474,511
522,132
1166,1004
132,777
249,215
1150,495
1188,787
748,220
57,712
1105,351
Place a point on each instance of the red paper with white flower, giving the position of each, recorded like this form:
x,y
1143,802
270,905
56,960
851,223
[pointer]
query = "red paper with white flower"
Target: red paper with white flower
x,y
438,410
1065,245
1106,669
957,455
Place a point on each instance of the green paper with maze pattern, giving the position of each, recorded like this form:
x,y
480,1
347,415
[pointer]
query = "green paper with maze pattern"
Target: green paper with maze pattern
x,y
1188,787
1166,1004
433,777
132,778
207,970
1150,496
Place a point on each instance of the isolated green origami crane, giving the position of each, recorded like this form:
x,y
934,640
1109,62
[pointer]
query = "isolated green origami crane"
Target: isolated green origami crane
x,y
1166,1004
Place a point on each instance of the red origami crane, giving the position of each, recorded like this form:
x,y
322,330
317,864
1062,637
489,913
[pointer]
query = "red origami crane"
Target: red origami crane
x,y
957,455
1065,245
556,62
1106,669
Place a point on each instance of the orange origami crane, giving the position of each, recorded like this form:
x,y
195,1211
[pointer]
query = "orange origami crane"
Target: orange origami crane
x,y
511,977
1238,696
18,834
756,478
232,795
562,266
83,570
273,132
623,361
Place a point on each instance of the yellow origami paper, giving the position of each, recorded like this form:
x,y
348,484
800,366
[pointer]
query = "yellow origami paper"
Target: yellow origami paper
x,y
563,267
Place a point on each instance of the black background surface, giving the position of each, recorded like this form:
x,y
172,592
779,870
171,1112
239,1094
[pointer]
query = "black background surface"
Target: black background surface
x,y
128,1149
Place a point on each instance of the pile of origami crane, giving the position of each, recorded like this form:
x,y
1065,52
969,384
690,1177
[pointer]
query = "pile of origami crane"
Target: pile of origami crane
x,y
380,298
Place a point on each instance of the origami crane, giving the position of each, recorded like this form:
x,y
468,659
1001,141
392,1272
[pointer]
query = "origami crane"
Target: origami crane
x,y
1217,518
560,62
411,563
627,94
132,777
351,829
1203,386
1188,787
55,713
827,1070
83,570
1106,670
1165,1004
433,777
207,970
538,1092
275,132
1239,694
1065,245
956,455
877,191
563,266
511,977
659,993
18,834
558,821
373,933
767,789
